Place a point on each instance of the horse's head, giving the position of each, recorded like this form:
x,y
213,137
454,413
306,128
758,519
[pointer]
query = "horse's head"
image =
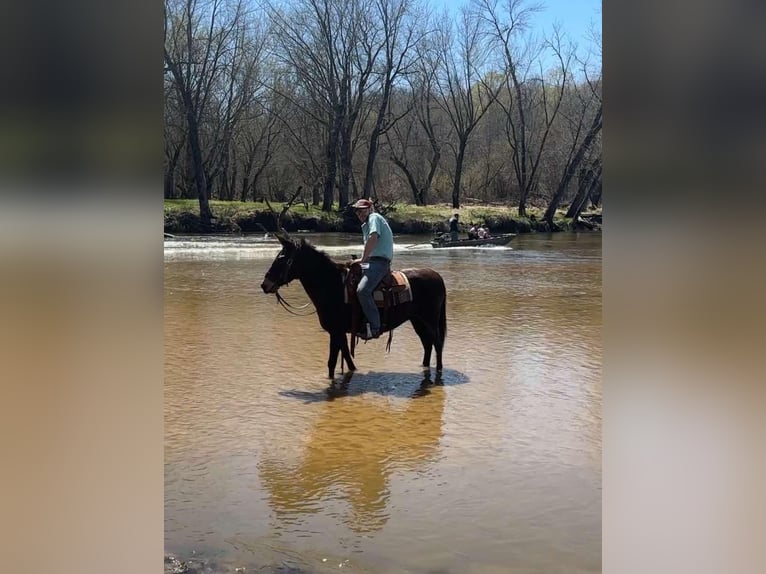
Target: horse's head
x,y
282,270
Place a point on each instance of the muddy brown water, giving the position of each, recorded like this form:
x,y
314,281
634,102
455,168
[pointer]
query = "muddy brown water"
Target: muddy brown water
x,y
496,470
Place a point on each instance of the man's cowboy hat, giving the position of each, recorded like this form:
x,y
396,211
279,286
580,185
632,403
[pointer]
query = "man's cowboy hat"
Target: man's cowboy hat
x,y
362,204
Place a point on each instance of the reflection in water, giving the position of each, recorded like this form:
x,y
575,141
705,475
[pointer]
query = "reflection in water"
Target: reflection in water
x,y
353,449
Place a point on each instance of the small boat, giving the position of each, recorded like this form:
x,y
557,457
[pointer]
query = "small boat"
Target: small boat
x,y
444,241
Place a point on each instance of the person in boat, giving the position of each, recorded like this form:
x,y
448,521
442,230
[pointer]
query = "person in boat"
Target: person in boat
x,y
454,225
473,233
483,232
378,253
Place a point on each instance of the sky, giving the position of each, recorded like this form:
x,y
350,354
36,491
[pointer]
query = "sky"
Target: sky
x,y
575,16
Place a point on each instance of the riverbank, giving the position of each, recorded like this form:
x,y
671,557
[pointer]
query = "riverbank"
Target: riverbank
x,y
182,216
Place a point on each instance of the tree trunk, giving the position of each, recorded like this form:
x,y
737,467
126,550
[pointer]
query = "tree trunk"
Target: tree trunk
x,y
247,169
331,158
170,174
416,192
594,183
371,155
245,183
572,167
345,168
170,184
374,137
595,196
430,177
226,190
583,193
355,189
524,184
583,185
458,174
205,214
233,183
522,203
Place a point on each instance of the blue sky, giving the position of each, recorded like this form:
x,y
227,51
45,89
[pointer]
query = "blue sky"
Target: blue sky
x,y
575,16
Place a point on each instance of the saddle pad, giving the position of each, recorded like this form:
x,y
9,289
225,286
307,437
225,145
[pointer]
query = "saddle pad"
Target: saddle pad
x,y
400,290
396,281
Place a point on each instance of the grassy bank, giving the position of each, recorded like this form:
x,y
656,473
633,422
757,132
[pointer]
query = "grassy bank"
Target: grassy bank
x,y
182,216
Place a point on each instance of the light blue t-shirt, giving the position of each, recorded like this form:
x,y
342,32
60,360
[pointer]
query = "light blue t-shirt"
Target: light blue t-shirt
x,y
376,223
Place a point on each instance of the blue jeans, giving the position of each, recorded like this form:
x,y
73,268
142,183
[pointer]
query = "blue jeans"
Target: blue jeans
x,y
377,269
453,236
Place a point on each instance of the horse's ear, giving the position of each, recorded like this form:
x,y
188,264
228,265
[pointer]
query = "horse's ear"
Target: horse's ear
x,y
284,239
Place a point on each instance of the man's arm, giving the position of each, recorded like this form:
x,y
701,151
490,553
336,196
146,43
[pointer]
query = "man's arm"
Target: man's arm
x,y
372,240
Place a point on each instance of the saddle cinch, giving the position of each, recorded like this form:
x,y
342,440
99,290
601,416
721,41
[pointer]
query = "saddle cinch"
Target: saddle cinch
x,y
394,289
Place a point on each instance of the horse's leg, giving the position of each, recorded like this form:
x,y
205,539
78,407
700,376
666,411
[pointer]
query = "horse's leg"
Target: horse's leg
x,y
439,345
346,353
433,331
332,360
426,338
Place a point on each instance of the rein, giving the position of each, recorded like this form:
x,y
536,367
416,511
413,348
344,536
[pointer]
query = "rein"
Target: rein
x,y
289,308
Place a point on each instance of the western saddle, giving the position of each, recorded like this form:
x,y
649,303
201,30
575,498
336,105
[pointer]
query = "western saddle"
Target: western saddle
x,y
393,289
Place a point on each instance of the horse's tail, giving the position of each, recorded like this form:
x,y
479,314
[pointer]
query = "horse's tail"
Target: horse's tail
x,y
443,319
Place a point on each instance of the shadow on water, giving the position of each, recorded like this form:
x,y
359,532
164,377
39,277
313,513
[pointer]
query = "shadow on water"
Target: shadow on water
x,y
355,447
385,384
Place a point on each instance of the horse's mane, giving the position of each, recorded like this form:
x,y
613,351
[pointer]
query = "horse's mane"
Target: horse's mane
x,y
322,259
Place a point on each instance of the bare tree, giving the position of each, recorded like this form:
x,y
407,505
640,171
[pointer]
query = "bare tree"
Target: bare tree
x,y
237,99
312,95
363,42
198,37
330,47
415,142
260,140
400,22
582,134
590,180
175,137
530,104
465,88
305,44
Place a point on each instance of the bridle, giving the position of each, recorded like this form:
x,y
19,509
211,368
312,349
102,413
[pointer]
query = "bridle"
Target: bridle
x,y
281,300
288,266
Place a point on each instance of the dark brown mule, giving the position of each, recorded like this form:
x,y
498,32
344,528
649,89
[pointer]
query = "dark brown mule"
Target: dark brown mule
x,y
323,278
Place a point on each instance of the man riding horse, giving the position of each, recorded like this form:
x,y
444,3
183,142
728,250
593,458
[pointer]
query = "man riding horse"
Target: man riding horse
x,y
376,260
326,284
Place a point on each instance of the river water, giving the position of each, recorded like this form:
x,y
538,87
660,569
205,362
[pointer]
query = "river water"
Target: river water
x,y
496,470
